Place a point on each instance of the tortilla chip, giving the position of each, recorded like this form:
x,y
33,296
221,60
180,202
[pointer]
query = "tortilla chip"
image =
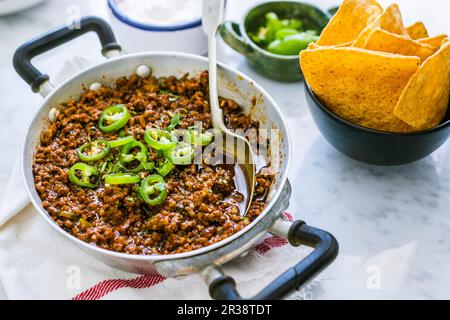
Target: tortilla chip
x,y
352,17
314,45
384,41
435,42
423,104
417,31
390,20
359,85
345,44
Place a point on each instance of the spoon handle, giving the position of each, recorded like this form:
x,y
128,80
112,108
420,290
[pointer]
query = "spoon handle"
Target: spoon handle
x,y
213,12
216,112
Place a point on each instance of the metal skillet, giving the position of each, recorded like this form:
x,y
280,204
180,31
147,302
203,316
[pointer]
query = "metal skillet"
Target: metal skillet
x,y
233,85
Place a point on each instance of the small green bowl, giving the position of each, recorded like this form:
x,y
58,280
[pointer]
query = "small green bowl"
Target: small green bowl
x,y
274,66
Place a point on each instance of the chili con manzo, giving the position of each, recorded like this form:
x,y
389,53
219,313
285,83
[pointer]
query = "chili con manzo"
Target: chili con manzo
x,y
110,172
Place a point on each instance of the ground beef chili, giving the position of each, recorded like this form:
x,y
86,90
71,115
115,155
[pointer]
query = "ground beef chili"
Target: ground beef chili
x,y
201,207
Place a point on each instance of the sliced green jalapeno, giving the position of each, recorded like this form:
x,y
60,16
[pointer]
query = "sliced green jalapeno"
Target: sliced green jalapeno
x,y
93,151
283,33
148,166
133,156
69,215
160,139
182,154
195,137
83,175
153,190
120,178
84,223
164,167
120,142
293,44
174,122
114,118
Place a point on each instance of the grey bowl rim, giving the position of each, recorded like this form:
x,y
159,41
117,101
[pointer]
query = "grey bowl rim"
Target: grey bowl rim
x,y
358,127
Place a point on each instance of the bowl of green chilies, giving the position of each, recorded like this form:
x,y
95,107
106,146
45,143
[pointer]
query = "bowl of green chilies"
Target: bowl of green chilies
x,y
272,34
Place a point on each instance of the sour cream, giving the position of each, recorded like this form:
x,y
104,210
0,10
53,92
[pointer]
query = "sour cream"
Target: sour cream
x,y
161,12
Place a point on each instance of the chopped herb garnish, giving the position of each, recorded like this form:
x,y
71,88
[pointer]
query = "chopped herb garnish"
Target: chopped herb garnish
x,y
175,121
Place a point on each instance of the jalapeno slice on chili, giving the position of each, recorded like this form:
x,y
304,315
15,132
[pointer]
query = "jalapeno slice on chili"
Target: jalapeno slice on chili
x,y
160,139
195,137
133,156
153,190
93,151
83,175
85,223
164,167
182,154
120,178
121,141
114,118
148,166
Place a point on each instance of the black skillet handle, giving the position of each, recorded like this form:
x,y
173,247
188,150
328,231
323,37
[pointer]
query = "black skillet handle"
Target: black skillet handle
x,y
325,251
29,50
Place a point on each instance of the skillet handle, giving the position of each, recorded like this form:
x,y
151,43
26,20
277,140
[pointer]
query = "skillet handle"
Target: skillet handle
x,y
325,246
25,53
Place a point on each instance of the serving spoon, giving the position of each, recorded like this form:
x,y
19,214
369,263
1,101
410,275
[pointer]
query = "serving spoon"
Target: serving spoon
x,y
240,149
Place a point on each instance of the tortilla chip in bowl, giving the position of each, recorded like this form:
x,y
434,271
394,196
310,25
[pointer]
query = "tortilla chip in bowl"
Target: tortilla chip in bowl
x,y
389,20
385,41
435,41
359,85
352,17
423,103
417,31
382,98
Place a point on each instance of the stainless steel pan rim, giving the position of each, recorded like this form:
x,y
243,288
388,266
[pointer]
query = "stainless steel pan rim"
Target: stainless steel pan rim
x,y
29,182
207,260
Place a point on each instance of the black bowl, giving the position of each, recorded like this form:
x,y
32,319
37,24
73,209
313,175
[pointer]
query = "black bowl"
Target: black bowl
x,y
373,146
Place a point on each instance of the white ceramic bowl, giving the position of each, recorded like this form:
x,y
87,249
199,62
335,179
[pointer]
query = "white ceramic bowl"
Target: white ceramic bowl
x,y
137,36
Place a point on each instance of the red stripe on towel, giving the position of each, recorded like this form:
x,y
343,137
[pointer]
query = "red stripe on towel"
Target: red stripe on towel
x,y
145,281
107,286
269,243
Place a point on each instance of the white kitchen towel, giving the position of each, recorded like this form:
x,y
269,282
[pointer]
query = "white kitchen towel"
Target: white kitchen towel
x,y
14,198
36,262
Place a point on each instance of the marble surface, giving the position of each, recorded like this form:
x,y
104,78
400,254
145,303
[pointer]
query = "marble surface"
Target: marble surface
x,y
393,224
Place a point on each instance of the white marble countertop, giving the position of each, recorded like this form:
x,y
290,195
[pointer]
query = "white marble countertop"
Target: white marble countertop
x,y
393,224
